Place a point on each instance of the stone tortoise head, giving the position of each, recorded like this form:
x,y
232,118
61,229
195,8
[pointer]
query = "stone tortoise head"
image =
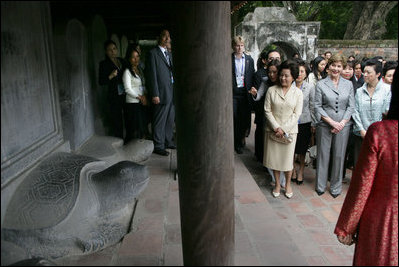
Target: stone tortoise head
x,y
72,204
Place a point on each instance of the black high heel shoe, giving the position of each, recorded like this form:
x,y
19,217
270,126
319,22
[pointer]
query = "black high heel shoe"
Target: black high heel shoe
x,y
299,182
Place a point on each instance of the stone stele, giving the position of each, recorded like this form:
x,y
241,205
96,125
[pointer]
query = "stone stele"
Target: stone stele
x,y
70,205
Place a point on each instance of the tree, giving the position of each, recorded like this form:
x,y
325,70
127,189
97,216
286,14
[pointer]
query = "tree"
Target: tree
x,y
368,20
364,20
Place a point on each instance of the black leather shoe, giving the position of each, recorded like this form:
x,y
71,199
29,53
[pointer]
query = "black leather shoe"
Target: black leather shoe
x,y
239,150
161,152
171,147
299,182
319,193
335,195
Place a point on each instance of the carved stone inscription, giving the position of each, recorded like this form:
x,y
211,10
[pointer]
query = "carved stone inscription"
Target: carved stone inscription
x,y
29,123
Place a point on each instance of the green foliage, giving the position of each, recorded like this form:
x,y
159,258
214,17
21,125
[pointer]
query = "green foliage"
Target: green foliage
x,y
333,15
392,25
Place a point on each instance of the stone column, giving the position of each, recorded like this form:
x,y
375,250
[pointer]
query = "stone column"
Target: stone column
x,y
201,45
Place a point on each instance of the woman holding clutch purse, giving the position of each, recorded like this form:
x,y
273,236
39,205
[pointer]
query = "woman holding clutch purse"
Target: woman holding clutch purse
x,y
283,106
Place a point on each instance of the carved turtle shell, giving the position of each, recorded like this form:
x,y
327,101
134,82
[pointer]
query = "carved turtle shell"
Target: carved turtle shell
x,y
47,194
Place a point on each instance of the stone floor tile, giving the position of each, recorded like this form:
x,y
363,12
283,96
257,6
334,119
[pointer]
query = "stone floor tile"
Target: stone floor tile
x,y
153,223
323,237
173,255
277,254
306,191
336,207
173,234
137,261
330,215
310,220
251,197
154,205
337,255
141,243
242,242
268,231
253,212
243,185
299,207
316,261
316,202
246,259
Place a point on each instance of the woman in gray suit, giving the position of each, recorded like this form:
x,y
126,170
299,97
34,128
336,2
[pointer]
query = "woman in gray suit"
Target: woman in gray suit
x,y
334,106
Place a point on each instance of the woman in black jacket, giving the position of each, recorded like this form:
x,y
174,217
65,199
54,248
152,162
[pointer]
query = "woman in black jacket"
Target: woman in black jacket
x,y
110,75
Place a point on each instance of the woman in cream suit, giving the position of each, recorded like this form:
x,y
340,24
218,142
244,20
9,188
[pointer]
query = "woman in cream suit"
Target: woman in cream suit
x,y
283,106
334,106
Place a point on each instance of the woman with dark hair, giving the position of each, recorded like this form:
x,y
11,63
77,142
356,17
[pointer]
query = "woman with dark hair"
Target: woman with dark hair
x,y
348,74
369,214
388,71
136,118
306,120
258,96
283,106
318,70
371,101
334,106
110,74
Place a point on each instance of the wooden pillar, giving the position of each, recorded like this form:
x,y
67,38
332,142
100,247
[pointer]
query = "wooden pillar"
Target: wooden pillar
x,y
201,45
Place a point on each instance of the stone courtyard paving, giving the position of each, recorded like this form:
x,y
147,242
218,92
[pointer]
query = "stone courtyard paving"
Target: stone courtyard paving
x,y
308,219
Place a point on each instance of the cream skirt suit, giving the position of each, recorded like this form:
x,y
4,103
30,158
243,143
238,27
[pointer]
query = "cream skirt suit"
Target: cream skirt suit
x,y
281,111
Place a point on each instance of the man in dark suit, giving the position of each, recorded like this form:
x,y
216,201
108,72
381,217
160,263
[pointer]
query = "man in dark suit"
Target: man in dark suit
x,y
160,87
243,72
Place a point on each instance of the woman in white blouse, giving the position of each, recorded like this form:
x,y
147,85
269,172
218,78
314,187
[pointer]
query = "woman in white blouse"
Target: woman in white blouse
x,y
136,119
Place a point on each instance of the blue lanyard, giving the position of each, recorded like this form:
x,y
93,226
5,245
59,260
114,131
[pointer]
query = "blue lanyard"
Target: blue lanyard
x,y
242,67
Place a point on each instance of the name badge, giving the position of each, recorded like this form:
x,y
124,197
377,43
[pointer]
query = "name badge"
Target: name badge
x,y
240,80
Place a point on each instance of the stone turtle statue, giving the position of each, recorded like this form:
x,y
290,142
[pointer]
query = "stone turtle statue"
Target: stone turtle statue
x,y
70,205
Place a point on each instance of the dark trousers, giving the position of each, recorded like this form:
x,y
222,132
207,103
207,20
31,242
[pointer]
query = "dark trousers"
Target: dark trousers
x,y
259,141
240,119
163,118
260,121
136,121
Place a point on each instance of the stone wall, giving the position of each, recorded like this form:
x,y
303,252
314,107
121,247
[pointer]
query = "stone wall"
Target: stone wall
x,y
49,87
361,48
30,117
31,126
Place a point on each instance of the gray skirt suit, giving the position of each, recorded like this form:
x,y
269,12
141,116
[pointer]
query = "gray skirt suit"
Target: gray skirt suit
x,y
281,111
337,104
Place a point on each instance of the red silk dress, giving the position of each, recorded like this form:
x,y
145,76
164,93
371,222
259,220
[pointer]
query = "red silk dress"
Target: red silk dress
x,y
370,208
